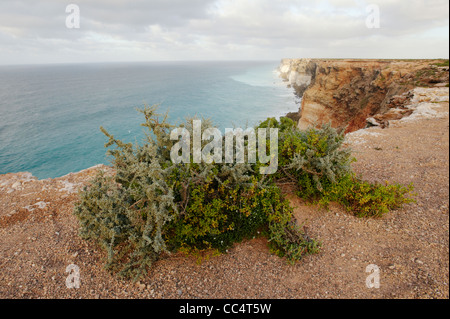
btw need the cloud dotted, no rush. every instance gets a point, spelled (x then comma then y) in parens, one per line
(35, 31)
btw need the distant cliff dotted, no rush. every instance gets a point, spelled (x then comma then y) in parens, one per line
(348, 93)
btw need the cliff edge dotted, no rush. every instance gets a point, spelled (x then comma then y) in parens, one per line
(353, 94)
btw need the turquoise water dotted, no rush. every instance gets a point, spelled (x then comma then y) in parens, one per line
(50, 115)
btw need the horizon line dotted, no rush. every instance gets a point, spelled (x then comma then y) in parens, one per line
(212, 61)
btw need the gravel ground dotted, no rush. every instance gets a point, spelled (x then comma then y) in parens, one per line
(38, 237)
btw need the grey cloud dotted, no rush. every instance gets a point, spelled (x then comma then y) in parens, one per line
(144, 12)
(194, 29)
(46, 18)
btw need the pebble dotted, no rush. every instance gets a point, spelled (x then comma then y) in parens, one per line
(141, 286)
(16, 185)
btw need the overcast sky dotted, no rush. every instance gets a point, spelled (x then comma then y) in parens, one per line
(35, 31)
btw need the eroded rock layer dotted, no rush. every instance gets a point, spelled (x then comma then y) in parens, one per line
(346, 93)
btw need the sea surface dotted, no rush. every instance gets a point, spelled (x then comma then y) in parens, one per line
(50, 115)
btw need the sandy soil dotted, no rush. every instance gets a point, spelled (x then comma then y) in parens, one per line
(38, 236)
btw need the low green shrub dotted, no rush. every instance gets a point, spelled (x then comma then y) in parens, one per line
(218, 216)
(285, 124)
(312, 159)
(366, 199)
(152, 206)
(127, 222)
(286, 238)
(320, 167)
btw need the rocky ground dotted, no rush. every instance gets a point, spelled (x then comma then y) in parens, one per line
(39, 235)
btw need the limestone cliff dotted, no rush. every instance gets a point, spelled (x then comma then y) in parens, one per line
(299, 73)
(349, 92)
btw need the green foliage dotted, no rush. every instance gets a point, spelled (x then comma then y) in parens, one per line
(218, 215)
(365, 199)
(152, 207)
(318, 164)
(444, 63)
(314, 158)
(285, 124)
(127, 222)
(286, 239)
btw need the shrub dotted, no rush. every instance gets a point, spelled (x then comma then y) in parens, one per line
(127, 214)
(285, 124)
(152, 206)
(218, 216)
(366, 199)
(127, 222)
(318, 164)
(286, 239)
(313, 159)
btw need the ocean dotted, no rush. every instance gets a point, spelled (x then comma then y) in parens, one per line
(50, 115)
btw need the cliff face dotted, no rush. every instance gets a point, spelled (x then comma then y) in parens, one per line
(299, 73)
(348, 92)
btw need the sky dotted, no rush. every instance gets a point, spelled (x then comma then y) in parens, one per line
(46, 31)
